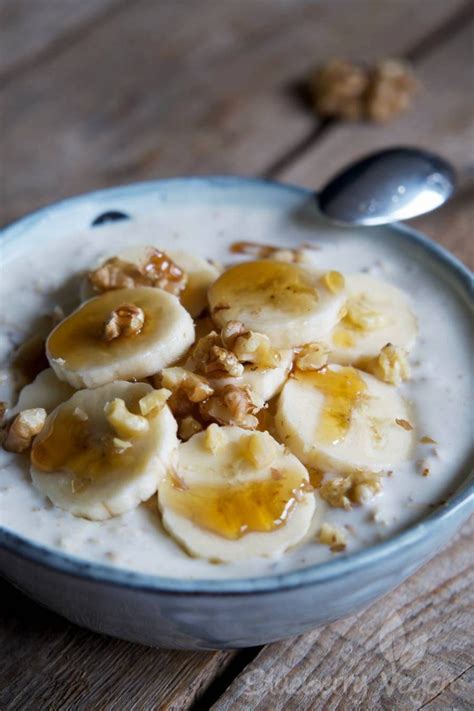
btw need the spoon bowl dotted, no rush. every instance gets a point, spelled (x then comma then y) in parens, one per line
(388, 186)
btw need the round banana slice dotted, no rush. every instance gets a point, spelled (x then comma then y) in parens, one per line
(265, 383)
(343, 420)
(98, 455)
(46, 391)
(377, 314)
(236, 495)
(119, 335)
(199, 272)
(289, 304)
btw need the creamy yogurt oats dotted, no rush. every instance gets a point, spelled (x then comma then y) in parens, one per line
(323, 408)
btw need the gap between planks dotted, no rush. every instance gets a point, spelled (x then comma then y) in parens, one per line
(433, 40)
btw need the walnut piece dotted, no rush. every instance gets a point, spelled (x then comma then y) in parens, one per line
(26, 425)
(349, 91)
(125, 320)
(214, 438)
(256, 348)
(125, 423)
(259, 449)
(312, 356)
(223, 363)
(224, 354)
(390, 366)
(232, 406)
(156, 269)
(338, 89)
(356, 488)
(391, 90)
(155, 400)
(333, 537)
(188, 427)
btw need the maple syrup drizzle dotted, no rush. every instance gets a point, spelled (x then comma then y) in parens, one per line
(342, 389)
(231, 511)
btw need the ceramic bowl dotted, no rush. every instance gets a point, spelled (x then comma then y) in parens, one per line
(210, 614)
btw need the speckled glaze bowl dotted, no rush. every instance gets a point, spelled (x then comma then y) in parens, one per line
(210, 614)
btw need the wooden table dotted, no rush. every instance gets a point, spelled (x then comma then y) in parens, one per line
(100, 92)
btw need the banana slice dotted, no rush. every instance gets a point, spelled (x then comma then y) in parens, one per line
(343, 420)
(289, 304)
(377, 314)
(265, 383)
(121, 334)
(46, 391)
(99, 456)
(236, 495)
(200, 275)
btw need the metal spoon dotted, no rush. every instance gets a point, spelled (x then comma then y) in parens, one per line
(390, 185)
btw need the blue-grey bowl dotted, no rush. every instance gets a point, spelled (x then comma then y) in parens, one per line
(218, 614)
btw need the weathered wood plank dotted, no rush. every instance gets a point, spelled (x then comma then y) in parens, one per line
(442, 120)
(402, 652)
(31, 29)
(49, 663)
(457, 695)
(158, 90)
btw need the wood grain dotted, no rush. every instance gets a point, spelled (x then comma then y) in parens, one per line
(31, 30)
(208, 91)
(102, 92)
(441, 120)
(46, 662)
(406, 650)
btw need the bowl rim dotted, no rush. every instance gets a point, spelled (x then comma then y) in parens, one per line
(455, 509)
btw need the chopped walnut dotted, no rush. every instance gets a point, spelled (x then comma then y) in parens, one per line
(232, 406)
(391, 90)
(423, 467)
(259, 449)
(356, 488)
(223, 362)
(194, 386)
(337, 90)
(427, 440)
(155, 400)
(188, 427)
(26, 425)
(224, 354)
(125, 320)
(404, 424)
(349, 91)
(214, 438)
(333, 537)
(256, 348)
(156, 269)
(312, 356)
(390, 366)
(230, 332)
(125, 423)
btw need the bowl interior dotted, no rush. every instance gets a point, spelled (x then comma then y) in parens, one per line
(206, 215)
